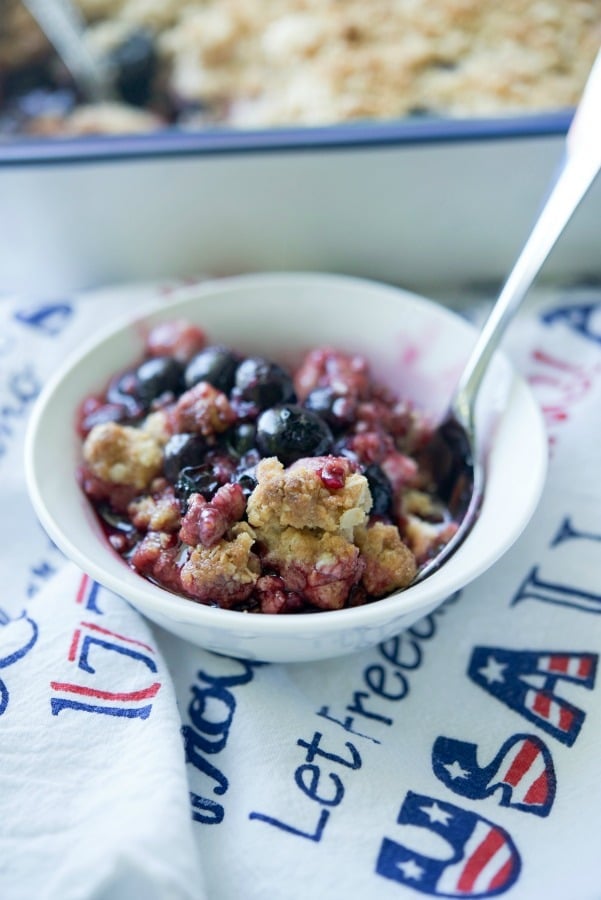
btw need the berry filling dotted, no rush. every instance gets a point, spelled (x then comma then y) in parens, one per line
(236, 483)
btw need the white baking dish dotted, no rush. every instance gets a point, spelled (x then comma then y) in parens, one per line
(423, 203)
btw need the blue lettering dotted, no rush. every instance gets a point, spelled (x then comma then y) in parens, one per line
(310, 789)
(375, 677)
(579, 318)
(57, 704)
(357, 707)
(534, 587)
(205, 810)
(211, 713)
(347, 724)
(313, 750)
(393, 651)
(90, 641)
(49, 318)
(310, 835)
(191, 745)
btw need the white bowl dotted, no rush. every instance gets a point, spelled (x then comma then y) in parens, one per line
(414, 345)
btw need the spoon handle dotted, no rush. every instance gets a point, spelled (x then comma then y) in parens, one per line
(581, 163)
(63, 26)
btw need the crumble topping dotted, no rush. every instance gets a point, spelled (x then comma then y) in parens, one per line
(157, 511)
(262, 63)
(123, 455)
(156, 424)
(297, 497)
(389, 563)
(228, 571)
(106, 118)
(320, 566)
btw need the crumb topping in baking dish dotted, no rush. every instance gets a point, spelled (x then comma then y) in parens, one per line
(258, 63)
(236, 483)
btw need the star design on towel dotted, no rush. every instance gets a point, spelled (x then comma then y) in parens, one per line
(493, 671)
(436, 814)
(455, 770)
(411, 870)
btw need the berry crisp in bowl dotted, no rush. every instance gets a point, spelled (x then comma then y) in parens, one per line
(242, 464)
(239, 484)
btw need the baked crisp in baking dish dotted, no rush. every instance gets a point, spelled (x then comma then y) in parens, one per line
(258, 63)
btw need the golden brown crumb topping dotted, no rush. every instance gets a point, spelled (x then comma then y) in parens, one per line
(123, 455)
(297, 497)
(321, 566)
(158, 511)
(229, 569)
(389, 563)
(256, 63)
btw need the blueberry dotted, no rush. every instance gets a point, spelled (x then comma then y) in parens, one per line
(247, 479)
(262, 383)
(158, 376)
(108, 412)
(116, 521)
(182, 451)
(380, 489)
(197, 480)
(291, 432)
(337, 410)
(119, 529)
(242, 438)
(123, 392)
(217, 365)
(135, 64)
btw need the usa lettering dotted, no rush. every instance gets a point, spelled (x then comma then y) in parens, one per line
(521, 773)
(525, 681)
(481, 858)
(584, 319)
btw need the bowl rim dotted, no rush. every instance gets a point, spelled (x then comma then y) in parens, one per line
(177, 143)
(141, 591)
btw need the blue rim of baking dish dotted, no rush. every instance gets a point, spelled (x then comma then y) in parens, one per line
(176, 143)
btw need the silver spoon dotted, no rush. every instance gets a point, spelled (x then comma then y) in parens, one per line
(452, 452)
(63, 26)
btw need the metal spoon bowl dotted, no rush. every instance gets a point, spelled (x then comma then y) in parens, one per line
(452, 454)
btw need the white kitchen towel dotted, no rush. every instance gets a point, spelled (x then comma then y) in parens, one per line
(458, 760)
(92, 788)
